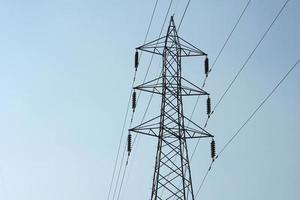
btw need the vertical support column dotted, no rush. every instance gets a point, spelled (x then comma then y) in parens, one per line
(172, 177)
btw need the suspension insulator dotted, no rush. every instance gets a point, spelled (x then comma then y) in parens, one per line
(134, 100)
(129, 139)
(213, 149)
(136, 60)
(206, 66)
(208, 106)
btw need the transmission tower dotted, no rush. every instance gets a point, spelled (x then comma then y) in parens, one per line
(172, 174)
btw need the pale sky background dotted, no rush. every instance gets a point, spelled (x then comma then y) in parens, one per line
(66, 68)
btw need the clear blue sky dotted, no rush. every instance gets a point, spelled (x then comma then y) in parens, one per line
(65, 73)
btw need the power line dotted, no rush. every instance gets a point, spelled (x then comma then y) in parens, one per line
(186, 7)
(204, 179)
(119, 172)
(247, 60)
(152, 56)
(220, 52)
(151, 60)
(127, 109)
(123, 156)
(123, 176)
(125, 169)
(150, 23)
(216, 59)
(230, 34)
(251, 54)
(259, 107)
(119, 147)
(243, 66)
(247, 120)
(227, 39)
(177, 5)
(245, 8)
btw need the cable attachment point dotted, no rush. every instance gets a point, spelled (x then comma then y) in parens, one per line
(136, 60)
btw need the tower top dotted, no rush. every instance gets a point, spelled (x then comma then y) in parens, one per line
(157, 46)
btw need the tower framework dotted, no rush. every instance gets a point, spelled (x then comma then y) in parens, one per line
(172, 174)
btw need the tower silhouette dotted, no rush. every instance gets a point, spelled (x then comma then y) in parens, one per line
(172, 177)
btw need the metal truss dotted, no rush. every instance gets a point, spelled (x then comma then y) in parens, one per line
(172, 175)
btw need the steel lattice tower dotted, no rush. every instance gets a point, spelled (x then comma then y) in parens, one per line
(172, 175)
